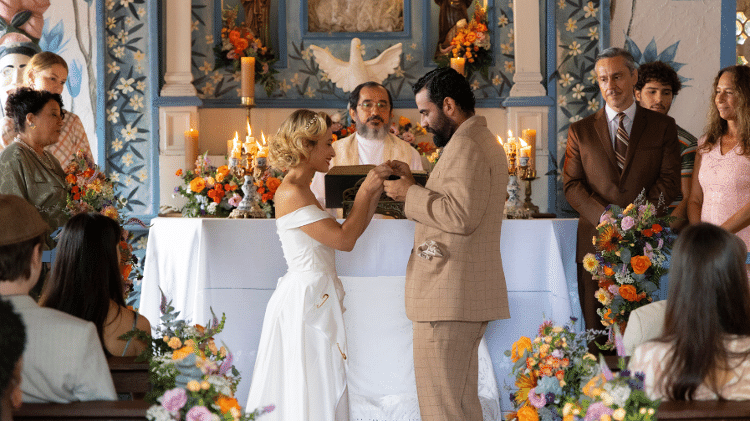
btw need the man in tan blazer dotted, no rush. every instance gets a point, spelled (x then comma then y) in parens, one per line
(454, 279)
(612, 156)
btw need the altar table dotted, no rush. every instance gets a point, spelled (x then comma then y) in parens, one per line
(231, 266)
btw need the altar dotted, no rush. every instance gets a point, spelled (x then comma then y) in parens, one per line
(231, 266)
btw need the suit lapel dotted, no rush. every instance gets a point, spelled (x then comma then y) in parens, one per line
(602, 132)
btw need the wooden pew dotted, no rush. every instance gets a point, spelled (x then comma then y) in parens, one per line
(129, 377)
(88, 411)
(704, 410)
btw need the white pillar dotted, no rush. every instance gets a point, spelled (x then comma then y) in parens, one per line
(527, 81)
(178, 77)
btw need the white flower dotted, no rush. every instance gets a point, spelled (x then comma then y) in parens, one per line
(114, 176)
(507, 48)
(575, 118)
(118, 51)
(594, 33)
(562, 101)
(496, 80)
(125, 85)
(142, 242)
(125, 3)
(618, 392)
(212, 208)
(562, 4)
(111, 41)
(140, 85)
(590, 10)
(136, 102)
(127, 159)
(129, 132)
(141, 11)
(138, 55)
(571, 25)
(129, 21)
(306, 54)
(217, 77)
(128, 179)
(110, 4)
(194, 26)
(123, 35)
(138, 68)
(414, 46)
(110, 22)
(209, 39)
(399, 72)
(112, 95)
(206, 68)
(209, 88)
(113, 67)
(578, 91)
(113, 115)
(310, 92)
(575, 48)
(592, 76)
(220, 383)
(324, 77)
(475, 85)
(509, 66)
(283, 86)
(593, 104)
(295, 79)
(158, 413)
(502, 21)
(566, 80)
(409, 57)
(116, 145)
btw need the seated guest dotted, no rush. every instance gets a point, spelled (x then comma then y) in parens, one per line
(13, 333)
(86, 282)
(28, 170)
(704, 352)
(63, 361)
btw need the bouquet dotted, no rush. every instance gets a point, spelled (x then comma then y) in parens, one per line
(550, 371)
(200, 401)
(89, 190)
(619, 397)
(267, 184)
(472, 42)
(239, 41)
(208, 190)
(340, 128)
(407, 131)
(632, 247)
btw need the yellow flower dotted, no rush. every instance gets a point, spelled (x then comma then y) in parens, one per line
(619, 414)
(590, 263)
(403, 121)
(182, 353)
(528, 413)
(222, 352)
(205, 385)
(524, 384)
(591, 389)
(603, 296)
(605, 417)
(193, 386)
(197, 184)
(628, 209)
(521, 345)
(175, 343)
(190, 343)
(165, 338)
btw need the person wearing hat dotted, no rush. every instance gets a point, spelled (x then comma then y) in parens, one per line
(63, 361)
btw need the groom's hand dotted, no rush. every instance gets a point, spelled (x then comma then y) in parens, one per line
(397, 189)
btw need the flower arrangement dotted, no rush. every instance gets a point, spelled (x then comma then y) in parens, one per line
(341, 126)
(239, 41)
(550, 371)
(407, 131)
(90, 190)
(632, 247)
(200, 401)
(472, 43)
(267, 183)
(619, 397)
(208, 190)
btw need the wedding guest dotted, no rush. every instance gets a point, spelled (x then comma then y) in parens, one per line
(657, 86)
(13, 333)
(454, 279)
(721, 180)
(301, 362)
(371, 108)
(63, 360)
(28, 170)
(704, 352)
(46, 71)
(86, 282)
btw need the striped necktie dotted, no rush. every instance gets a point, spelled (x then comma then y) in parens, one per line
(621, 142)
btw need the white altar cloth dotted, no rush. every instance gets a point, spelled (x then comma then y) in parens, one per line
(232, 266)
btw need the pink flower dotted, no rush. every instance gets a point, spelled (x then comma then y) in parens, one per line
(409, 137)
(394, 129)
(198, 413)
(174, 399)
(231, 55)
(537, 401)
(614, 290)
(235, 200)
(627, 223)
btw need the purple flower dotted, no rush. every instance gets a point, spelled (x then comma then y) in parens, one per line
(596, 410)
(174, 399)
(226, 365)
(199, 413)
(627, 223)
(558, 354)
(538, 401)
(614, 289)
(268, 408)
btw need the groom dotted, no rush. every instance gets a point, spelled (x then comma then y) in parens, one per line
(454, 279)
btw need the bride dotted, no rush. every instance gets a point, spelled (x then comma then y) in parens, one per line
(301, 362)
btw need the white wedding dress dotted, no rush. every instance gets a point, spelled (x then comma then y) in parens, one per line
(301, 362)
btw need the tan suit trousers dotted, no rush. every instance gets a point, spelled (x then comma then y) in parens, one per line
(447, 369)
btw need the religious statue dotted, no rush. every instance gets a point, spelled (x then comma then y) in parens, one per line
(257, 19)
(451, 12)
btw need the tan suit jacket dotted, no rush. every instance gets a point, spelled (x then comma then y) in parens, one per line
(461, 209)
(592, 179)
(645, 324)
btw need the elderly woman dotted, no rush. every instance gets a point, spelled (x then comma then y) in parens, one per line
(27, 169)
(47, 71)
(721, 179)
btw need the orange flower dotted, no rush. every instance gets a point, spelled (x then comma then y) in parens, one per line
(628, 292)
(88, 173)
(471, 37)
(656, 228)
(125, 271)
(182, 352)
(223, 170)
(608, 271)
(71, 179)
(75, 189)
(200, 329)
(179, 172)
(234, 35)
(519, 347)
(524, 383)
(528, 413)
(226, 403)
(77, 196)
(219, 177)
(560, 375)
(640, 264)
(608, 238)
(605, 283)
(334, 137)
(197, 184)
(648, 232)
(240, 45)
(267, 196)
(272, 184)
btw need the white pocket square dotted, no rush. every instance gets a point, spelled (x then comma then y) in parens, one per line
(429, 249)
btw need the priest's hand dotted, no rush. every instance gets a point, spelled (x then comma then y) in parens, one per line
(396, 188)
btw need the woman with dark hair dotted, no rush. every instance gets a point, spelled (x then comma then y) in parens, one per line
(86, 282)
(28, 170)
(721, 178)
(704, 353)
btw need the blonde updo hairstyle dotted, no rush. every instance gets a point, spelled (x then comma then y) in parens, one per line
(42, 61)
(297, 135)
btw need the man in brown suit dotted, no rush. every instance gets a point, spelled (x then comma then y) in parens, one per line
(454, 279)
(612, 156)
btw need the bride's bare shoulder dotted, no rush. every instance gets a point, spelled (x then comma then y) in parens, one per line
(292, 196)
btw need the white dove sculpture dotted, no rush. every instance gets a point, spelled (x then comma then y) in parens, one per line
(348, 76)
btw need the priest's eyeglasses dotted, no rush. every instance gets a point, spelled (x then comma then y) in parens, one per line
(369, 105)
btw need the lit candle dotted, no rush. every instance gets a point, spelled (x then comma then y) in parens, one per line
(230, 144)
(249, 141)
(457, 64)
(236, 150)
(248, 77)
(525, 149)
(191, 148)
(529, 135)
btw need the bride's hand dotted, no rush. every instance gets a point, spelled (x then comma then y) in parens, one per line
(373, 184)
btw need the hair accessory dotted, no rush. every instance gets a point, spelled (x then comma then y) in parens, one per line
(23, 217)
(311, 122)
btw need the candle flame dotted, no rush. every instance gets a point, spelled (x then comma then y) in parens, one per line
(510, 134)
(249, 129)
(236, 136)
(523, 143)
(499, 139)
(263, 137)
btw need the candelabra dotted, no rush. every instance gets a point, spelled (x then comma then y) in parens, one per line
(527, 174)
(513, 206)
(248, 207)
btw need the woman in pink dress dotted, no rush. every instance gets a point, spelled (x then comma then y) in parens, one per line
(721, 179)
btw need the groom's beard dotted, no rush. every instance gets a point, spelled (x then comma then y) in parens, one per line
(441, 130)
(372, 133)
